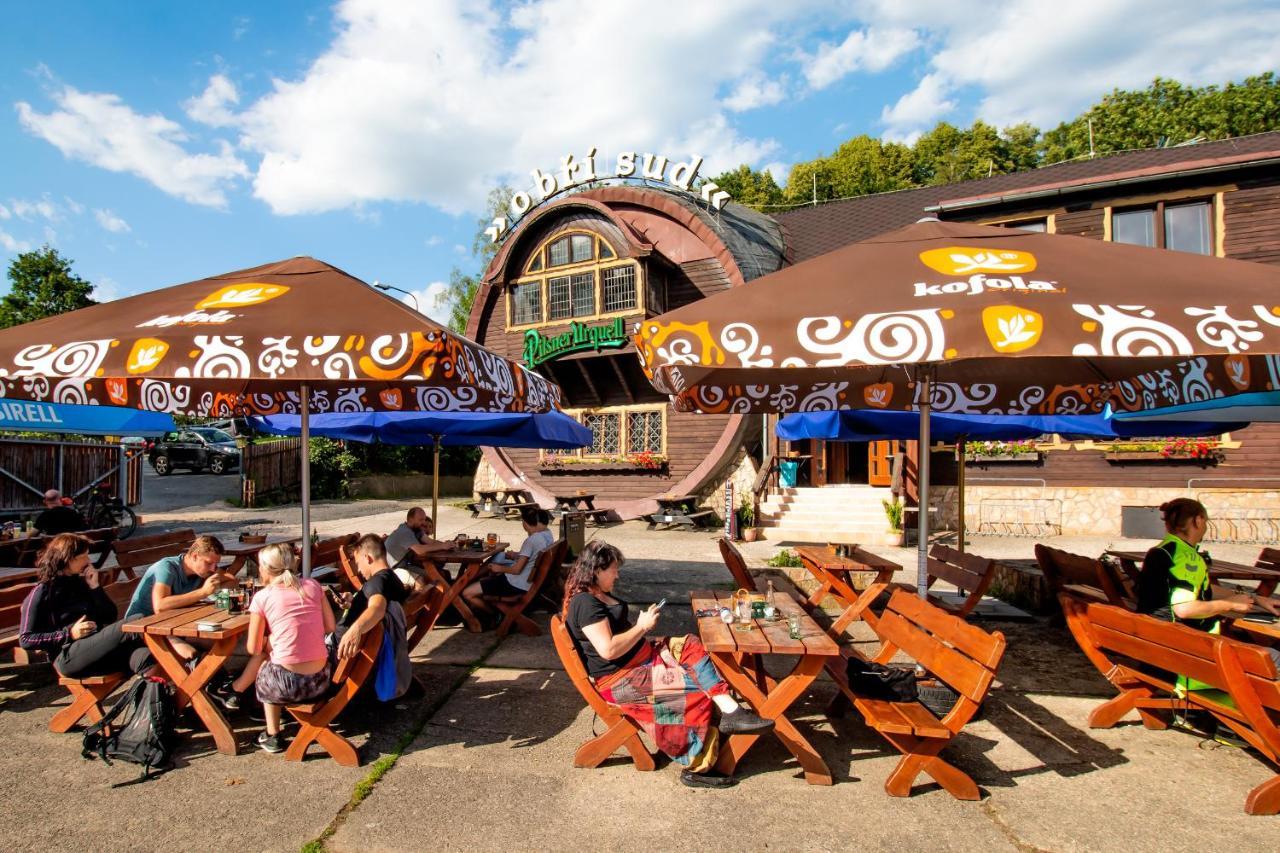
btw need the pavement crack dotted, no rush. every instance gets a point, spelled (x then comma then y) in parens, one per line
(989, 809)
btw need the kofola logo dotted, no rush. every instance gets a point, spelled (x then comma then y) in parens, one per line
(976, 264)
(212, 309)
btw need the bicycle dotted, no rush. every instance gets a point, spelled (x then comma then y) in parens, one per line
(104, 509)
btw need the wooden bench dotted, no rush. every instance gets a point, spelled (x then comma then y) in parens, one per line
(621, 731)
(1268, 559)
(1083, 576)
(1245, 695)
(968, 573)
(140, 552)
(326, 555)
(961, 655)
(692, 520)
(513, 607)
(736, 565)
(316, 718)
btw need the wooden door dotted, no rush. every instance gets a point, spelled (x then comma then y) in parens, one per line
(818, 469)
(880, 462)
(837, 454)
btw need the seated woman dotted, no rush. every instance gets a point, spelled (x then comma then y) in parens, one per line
(511, 570)
(1174, 583)
(68, 616)
(668, 686)
(292, 665)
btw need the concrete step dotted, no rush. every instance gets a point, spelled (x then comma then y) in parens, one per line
(821, 534)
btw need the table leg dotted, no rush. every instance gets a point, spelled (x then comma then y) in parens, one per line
(188, 687)
(859, 604)
(824, 579)
(237, 563)
(771, 706)
(453, 592)
(1266, 588)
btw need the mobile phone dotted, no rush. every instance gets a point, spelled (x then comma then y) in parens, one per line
(661, 604)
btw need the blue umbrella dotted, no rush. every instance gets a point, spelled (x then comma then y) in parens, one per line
(549, 431)
(883, 425)
(1262, 406)
(20, 415)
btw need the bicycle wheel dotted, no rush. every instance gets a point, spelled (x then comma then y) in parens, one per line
(127, 521)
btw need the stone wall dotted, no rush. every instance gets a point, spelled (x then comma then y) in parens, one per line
(1237, 515)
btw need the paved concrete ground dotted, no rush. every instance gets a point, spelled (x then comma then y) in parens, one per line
(490, 765)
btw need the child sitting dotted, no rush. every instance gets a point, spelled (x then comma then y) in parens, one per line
(295, 666)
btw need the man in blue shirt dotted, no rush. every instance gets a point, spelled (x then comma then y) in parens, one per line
(180, 581)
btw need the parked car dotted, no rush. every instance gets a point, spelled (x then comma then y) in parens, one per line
(195, 448)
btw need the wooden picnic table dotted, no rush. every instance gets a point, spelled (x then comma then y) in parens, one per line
(1269, 632)
(23, 551)
(572, 503)
(832, 573)
(161, 630)
(499, 503)
(678, 511)
(240, 552)
(1219, 570)
(737, 656)
(472, 562)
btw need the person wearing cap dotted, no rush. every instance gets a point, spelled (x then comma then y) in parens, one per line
(57, 516)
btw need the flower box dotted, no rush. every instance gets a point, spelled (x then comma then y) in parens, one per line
(1157, 456)
(601, 468)
(984, 458)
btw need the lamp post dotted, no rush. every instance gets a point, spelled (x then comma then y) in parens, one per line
(385, 287)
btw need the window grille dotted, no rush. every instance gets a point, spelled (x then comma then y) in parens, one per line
(619, 288)
(644, 432)
(605, 432)
(526, 303)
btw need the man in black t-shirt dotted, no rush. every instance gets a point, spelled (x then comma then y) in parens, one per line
(57, 516)
(381, 586)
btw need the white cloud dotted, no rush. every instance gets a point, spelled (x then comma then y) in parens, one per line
(917, 109)
(754, 91)
(212, 107)
(31, 210)
(433, 240)
(779, 172)
(11, 244)
(105, 289)
(4, 212)
(110, 222)
(438, 103)
(102, 130)
(871, 49)
(1045, 62)
(74, 206)
(427, 301)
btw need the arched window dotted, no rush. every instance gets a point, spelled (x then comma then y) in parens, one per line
(574, 275)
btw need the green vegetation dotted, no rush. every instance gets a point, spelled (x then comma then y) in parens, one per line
(784, 559)
(1165, 113)
(41, 284)
(893, 512)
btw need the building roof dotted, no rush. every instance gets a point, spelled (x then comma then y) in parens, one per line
(815, 230)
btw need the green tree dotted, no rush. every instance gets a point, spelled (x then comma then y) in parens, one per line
(460, 295)
(947, 154)
(749, 187)
(861, 166)
(42, 285)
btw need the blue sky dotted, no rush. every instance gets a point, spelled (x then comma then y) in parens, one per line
(158, 142)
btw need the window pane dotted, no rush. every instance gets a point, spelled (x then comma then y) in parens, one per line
(583, 247)
(619, 288)
(558, 252)
(526, 303)
(536, 263)
(605, 431)
(644, 432)
(1186, 227)
(1136, 227)
(584, 295)
(1040, 225)
(606, 251)
(558, 307)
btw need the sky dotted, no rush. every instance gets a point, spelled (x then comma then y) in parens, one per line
(157, 142)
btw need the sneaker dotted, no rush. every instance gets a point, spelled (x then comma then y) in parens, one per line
(271, 743)
(1227, 737)
(710, 779)
(743, 721)
(228, 698)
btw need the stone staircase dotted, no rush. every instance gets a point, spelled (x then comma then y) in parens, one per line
(845, 514)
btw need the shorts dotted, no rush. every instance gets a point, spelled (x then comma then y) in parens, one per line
(497, 586)
(279, 686)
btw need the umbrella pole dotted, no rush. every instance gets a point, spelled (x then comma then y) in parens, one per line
(435, 484)
(960, 497)
(306, 481)
(922, 556)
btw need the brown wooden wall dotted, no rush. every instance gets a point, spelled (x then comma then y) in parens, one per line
(1081, 223)
(1252, 221)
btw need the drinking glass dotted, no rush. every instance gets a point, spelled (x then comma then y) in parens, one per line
(793, 626)
(491, 539)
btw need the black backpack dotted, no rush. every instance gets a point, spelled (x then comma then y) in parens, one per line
(146, 734)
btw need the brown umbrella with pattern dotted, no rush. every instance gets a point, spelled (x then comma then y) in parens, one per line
(294, 337)
(967, 318)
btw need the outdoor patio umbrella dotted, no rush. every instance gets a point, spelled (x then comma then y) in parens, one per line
(547, 430)
(972, 319)
(884, 425)
(296, 336)
(1260, 406)
(22, 415)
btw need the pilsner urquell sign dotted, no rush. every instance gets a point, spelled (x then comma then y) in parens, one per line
(539, 348)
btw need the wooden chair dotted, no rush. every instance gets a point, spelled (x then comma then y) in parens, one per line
(513, 607)
(621, 730)
(315, 719)
(968, 573)
(11, 598)
(1083, 577)
(326, 554)
(736, 564)
(347, 567)
(1245, 695)
(141, 551)
(955, 652)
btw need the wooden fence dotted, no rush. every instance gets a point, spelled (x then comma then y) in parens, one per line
(28, 468)
(270, 471)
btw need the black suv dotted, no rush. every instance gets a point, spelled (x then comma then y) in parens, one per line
(196, 448)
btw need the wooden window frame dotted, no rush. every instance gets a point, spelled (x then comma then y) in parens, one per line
(1157, 207)
(579, 415)
(596, 266)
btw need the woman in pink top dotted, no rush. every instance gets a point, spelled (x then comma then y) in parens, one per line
(296, 614)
